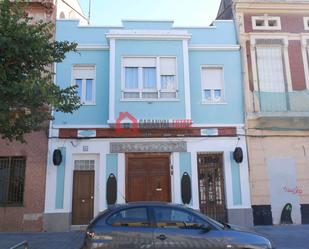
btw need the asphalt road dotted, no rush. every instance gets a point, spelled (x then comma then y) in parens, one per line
(285, 237)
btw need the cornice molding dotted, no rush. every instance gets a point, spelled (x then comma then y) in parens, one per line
(214, 47)
(92, 47)
(148, 34)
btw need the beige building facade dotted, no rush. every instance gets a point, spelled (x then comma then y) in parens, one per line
(274, 38)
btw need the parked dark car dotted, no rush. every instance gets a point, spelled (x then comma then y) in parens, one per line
(164, 225)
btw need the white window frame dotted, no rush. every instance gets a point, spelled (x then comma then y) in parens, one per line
(286, 62)
(83, 94)
(266, 20)
(305, 55)
(140, 88)
(306, 23)
(213, 101)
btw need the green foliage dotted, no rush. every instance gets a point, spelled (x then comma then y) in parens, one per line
(27, 92)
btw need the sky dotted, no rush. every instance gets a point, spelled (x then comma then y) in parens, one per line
(183, 12)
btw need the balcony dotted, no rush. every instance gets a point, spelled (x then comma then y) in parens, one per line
(280, 111)
(282, 103)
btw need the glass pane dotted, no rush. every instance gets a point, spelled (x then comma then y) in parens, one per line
(79, 83)
(150, 95)
(84, 165)
(149, 78)
(131, 95)
(218, 94)
(89, 90)
(174, 218)
(131, 77)
(168, 82)
(168, 95)
(133, 217)
(207, 94)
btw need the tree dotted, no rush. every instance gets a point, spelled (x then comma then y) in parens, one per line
(27, 91)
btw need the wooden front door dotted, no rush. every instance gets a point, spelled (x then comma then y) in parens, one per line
(83, 194)
(148, 177)
(211, 186)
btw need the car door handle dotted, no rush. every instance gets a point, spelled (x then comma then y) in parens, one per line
(161, 237)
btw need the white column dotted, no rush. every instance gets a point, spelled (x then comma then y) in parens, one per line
(195, 183)
(121, 181)
(186, 78)
(176, 191)
(112, 56)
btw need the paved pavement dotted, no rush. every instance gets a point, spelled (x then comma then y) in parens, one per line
(288, 236)
(285, 237)
(65, 240)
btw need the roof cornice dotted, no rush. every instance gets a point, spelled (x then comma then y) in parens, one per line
(149, 34)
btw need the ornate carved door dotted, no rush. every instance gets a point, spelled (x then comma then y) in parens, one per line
(148, 177)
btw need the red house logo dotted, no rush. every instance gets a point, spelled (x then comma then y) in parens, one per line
(126, 123)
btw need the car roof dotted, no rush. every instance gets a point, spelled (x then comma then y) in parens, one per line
(146, 203)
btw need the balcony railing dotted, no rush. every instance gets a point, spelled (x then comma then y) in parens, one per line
(275, 102)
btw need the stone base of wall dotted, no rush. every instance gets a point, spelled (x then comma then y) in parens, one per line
(57, 222)
(240, 217)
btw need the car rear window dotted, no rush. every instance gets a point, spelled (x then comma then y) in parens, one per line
(132, 217)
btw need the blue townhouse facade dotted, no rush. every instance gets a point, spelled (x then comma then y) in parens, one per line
(162, 115)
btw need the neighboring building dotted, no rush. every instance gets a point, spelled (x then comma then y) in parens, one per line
(23, 166)
(137, 82)
(70, 9)
(274, 36)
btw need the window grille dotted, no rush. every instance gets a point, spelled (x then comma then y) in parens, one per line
(12, 180)
(84, 164)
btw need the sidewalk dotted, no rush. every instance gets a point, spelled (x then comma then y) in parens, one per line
(285, 237)
(64, 240)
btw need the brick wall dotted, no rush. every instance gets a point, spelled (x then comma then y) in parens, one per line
(29, 216)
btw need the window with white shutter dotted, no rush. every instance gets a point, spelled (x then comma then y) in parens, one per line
(212, 84)
(84, 79)
(147, 78)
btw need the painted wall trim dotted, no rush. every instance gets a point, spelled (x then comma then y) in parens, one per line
(186, 79)
(148, 34)
(112, 79)
(236, 184)
(60, 181)
(92, 47)
(202, 47)
(79, 126)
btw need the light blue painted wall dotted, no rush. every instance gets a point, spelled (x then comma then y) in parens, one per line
(147, 25)
(237, 200)
(222, 32)
(112, 167)
(185, 166)
(90, 114)
(69, 30)
(232, 111)
(155, 109)
(60, 180)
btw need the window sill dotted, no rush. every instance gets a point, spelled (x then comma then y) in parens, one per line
(88, 104)
(213, 103)
(149, 100)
